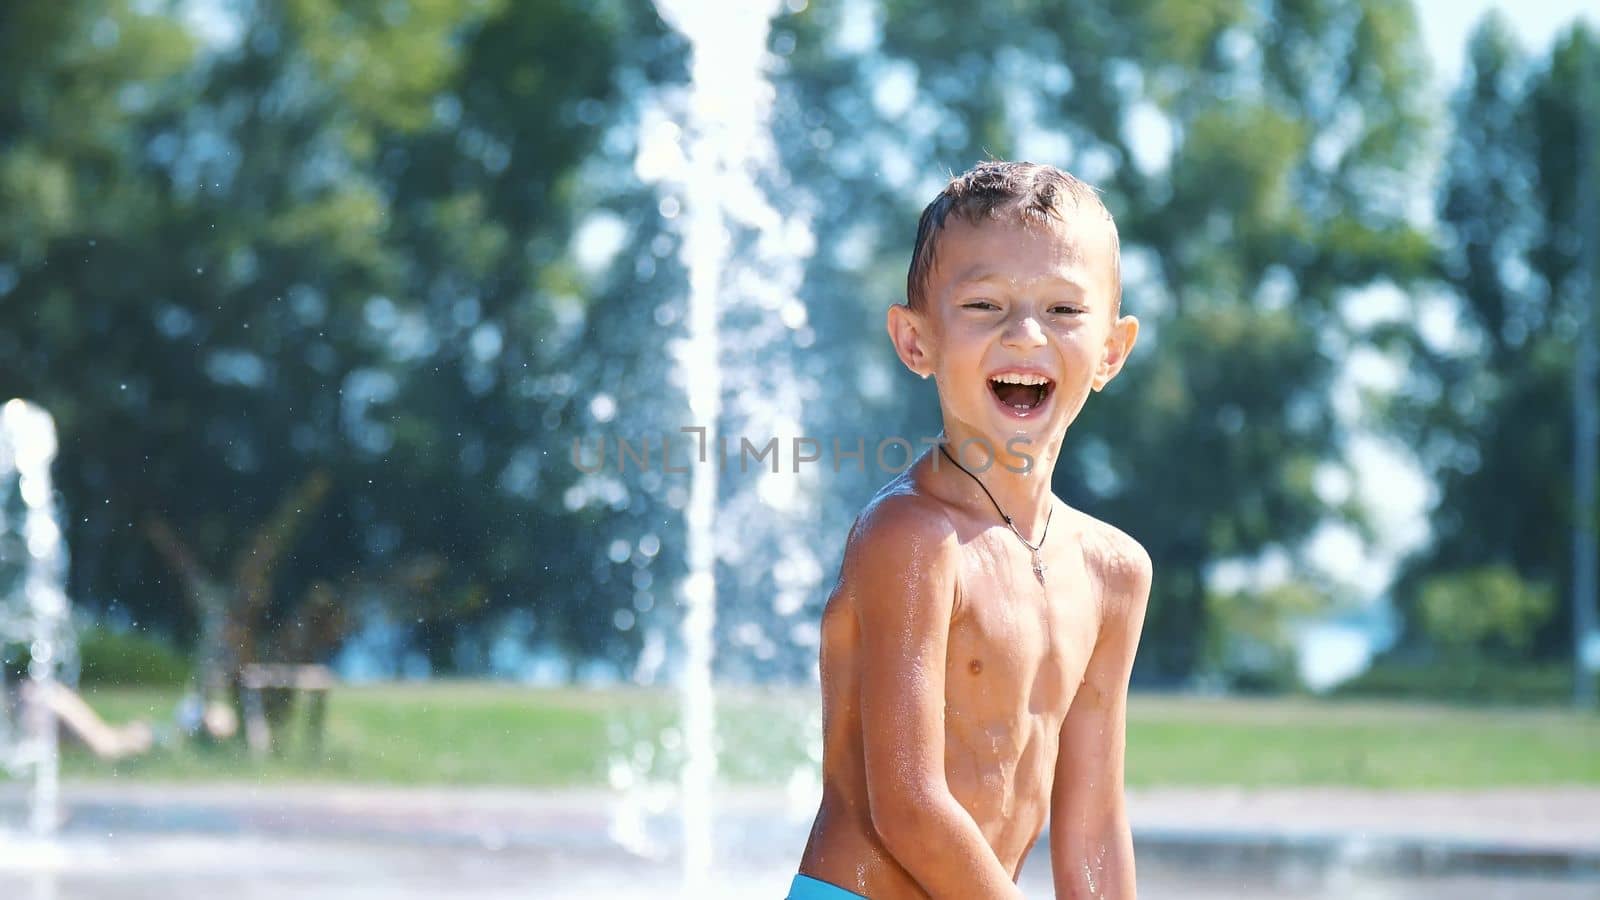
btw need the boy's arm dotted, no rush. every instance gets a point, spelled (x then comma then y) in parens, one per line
(902, 571)
(1091, 845)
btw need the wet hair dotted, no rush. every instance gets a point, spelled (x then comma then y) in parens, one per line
(996, 190)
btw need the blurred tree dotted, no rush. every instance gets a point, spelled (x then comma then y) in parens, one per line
(230, 611)
(78, 79)
(406, 244)
(1485, 612)
(319, 236)
(484, 207)
(1250, 646)
(1488, 405)
(1259, 159)
(76, 76)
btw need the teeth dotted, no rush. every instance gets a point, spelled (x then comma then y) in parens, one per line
(1017, 378)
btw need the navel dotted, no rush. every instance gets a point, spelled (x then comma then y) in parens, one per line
(975, 667)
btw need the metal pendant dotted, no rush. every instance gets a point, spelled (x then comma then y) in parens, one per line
(1038, 567)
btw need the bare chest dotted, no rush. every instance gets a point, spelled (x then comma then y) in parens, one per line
(1016, 634)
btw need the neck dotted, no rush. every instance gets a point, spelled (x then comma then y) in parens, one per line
(1023, 495)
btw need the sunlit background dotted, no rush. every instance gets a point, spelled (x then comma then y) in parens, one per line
(357, 536)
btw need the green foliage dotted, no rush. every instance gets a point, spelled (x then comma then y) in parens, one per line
(1488, 610)
(1464, 680)
(386, 61)
(342, 240)
(1250, 641)
(315, 245)
(77, 74)
(128, 659)
(1489, 412)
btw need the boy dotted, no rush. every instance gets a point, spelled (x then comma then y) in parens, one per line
(977, 647)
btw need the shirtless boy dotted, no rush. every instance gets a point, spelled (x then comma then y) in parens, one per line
(973, 686)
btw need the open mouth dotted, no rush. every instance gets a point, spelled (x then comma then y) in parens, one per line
(1021, 392)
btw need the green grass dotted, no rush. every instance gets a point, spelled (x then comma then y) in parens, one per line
(469, 733)
(1191, 741)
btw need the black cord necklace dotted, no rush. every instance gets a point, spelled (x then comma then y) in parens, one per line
(1038, 564)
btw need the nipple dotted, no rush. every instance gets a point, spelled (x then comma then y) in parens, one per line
(975, 667)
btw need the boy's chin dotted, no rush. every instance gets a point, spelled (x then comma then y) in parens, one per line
(1018, 446)
(1034, 430)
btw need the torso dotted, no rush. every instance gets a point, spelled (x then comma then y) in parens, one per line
(1016, 654)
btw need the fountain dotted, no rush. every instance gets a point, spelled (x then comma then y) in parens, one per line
(744, 263)
(34, 622)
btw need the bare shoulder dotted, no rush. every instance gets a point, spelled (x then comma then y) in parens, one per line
(902, 544)
(1119, 564)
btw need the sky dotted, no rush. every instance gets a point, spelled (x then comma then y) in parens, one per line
(1446, 24)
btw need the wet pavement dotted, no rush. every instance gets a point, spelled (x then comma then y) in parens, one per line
(246, 841)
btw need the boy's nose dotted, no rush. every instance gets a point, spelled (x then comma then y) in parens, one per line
(1024, 331)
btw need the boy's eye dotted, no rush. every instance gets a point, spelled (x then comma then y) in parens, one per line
(1066, 310)
(979, 304)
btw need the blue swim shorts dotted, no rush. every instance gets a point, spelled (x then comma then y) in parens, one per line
(807, 888)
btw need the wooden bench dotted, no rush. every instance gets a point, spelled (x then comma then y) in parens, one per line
(312, 680)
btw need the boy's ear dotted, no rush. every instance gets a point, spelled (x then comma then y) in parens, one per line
(1119, 343)
(909, 332)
